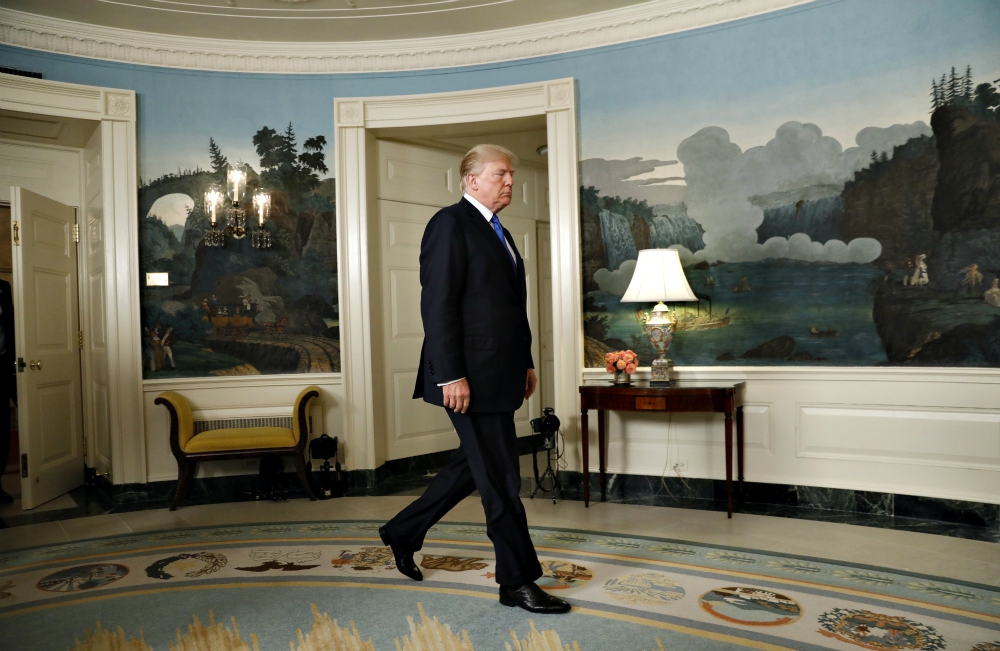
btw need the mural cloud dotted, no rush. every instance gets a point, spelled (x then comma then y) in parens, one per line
(611, 177)
(721, 178)
(616, 282)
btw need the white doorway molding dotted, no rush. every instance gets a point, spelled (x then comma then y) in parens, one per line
(354, 120)
(116, 229)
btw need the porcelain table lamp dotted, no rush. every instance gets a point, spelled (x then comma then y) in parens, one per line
(659, 277)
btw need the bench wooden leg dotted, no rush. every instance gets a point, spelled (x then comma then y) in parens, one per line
(300, 468)
(185, 473)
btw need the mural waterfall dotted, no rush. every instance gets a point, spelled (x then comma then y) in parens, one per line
(803, 252)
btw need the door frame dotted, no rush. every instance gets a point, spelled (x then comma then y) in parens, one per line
(115, 109)
(357, 181)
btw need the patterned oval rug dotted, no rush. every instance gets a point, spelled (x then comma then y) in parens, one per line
(333, 586)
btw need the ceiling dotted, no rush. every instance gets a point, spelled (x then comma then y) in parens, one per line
(45, 129)
(314, 20)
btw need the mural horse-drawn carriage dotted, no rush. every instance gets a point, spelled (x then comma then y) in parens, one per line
(235, 325)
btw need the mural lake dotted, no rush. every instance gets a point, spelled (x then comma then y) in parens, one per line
(825, 308)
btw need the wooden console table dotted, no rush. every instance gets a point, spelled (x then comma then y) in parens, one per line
(715, 397)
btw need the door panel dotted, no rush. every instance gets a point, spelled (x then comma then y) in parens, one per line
(418, 175)
(414, 427)
(50, 418)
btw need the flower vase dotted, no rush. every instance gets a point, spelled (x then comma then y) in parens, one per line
(621, 377)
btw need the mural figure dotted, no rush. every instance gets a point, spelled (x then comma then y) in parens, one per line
(992, 295)
(236, 310)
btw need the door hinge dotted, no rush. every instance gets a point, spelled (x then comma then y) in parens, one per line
(24, 466)
(79, 339)
(16, 231)
(76, 233)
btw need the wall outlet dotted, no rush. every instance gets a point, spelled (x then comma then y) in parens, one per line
(681, 466)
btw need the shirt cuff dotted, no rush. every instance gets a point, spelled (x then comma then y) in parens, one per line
(444, 384)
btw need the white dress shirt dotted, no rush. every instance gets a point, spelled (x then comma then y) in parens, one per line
(488, 215)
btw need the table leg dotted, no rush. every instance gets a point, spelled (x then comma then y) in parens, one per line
(739, 446)
(602, 442)
(729, 462)
(584, 439)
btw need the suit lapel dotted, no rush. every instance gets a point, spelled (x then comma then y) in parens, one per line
(493, 242)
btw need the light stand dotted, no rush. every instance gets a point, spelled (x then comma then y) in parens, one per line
(548, 427)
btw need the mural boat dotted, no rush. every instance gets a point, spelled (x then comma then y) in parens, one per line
(824, 332)
(743, 286)
(703, 323)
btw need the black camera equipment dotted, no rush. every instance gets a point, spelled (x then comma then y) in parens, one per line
(269, 484)
(548, 427)
(328, 484)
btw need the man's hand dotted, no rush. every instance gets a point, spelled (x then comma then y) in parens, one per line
(530, 383)
(457, 396)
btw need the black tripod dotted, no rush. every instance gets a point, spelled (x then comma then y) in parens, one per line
(548, 427)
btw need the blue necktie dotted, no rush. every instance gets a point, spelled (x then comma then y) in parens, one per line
(498, 229)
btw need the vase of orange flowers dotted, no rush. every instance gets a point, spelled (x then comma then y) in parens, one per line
(621, 363)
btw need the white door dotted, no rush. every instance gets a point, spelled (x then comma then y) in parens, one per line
(414, 182)
(50, 418)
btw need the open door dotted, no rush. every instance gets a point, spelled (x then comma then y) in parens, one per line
(46, 316)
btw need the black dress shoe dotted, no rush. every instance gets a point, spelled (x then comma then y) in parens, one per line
(404, 559)
(533, 599)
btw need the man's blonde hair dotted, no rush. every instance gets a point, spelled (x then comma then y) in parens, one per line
(480, 155)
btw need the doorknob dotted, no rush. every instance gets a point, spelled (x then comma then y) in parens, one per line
(35, 365)
(39, 365)
(31, 365)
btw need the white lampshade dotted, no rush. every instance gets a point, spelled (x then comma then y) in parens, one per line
(658, 277)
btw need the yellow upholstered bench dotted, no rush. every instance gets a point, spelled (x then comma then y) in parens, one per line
(234, 443)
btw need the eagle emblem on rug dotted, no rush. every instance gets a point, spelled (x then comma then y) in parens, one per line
(877, 631)
(283, 561)
(82, 577)
(452, 563)
(651, 588)
(751, 606)
(191, 565)
(365, 559)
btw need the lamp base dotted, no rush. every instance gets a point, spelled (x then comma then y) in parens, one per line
(661, 372)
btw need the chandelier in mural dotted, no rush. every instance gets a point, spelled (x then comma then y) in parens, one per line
(231, 201)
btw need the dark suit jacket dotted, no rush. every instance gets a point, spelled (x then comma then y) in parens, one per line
(473, 304)
(7, 318)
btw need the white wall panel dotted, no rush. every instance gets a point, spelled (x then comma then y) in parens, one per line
(926, 436)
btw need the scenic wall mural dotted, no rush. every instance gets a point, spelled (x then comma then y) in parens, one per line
(807, 248)
(830, 174)
(235, 309)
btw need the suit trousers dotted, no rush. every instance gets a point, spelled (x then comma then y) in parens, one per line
(486, 460)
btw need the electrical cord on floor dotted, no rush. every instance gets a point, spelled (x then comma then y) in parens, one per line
(663, 474)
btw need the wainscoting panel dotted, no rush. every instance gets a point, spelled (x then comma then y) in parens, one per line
(906, 436)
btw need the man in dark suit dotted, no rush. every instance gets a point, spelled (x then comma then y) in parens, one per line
(8, 385)
(476, 363)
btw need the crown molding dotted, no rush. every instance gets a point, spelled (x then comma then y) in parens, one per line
(646, 20)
